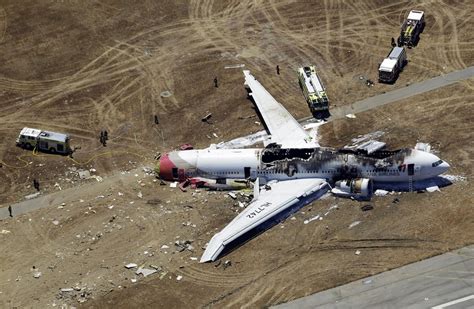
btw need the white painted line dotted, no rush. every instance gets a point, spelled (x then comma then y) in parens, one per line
(453, 302)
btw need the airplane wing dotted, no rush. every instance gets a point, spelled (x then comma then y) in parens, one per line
(284, 129)
(271, 202)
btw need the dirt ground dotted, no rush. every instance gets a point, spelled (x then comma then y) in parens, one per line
(81, 67)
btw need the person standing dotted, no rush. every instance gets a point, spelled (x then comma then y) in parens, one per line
(215, 82)
(278, 69)
(393, 42)
(10, 211)
(36, 184)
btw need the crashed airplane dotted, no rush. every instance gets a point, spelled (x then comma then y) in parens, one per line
(292, 170)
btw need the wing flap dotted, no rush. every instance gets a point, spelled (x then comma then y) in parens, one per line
(270, 203)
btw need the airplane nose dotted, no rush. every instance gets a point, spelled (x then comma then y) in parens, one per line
(166, 167)
(444, 166)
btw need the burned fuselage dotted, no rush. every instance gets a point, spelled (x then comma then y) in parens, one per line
(332, 164)
(274, 163)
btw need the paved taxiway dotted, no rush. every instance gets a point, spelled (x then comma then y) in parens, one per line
(443, 281)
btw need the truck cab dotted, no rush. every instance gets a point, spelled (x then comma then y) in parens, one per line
(28, 138)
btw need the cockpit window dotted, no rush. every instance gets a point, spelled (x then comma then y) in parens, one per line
(437, 163)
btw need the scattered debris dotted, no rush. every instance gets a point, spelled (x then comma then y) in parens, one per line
(66, 290)
(139, 194)
(174, 184)
(145, 271)
(5, 232)
(317, 217)
(133, 280)
(179, 278)
(367, 207)
(357, 252)
(166, 94)
(396, 200)
(131, 265)
(367, 281)
(242, 142)
(184, 245)
(227, 263)
(423, 147)
(186, 147)
(351, 116)
(98, 178)
(454, 178)
(37, 274)
(354, 224)
(206, 118)
(232, 195)
(380, 192)
(32, 196)
(165, 247)
(215, 135)
(56, 222)
(84, 174)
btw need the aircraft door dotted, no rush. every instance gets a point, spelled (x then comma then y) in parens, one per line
(247, 172)
(411, 169)
(181, 175)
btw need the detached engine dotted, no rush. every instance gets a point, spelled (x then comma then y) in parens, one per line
(359, 188)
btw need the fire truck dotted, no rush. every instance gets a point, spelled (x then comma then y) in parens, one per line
(47, 141)
(411, 29)
(391, 66)
(313, 90)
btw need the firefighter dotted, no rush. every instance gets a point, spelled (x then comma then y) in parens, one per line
(36, 184)
(393, 42)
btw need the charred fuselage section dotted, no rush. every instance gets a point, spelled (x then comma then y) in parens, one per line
(332, 164)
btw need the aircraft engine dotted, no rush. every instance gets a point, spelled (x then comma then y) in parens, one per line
(359, 188)
(220, 184)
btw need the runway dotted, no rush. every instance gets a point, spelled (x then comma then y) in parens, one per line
(443, 281)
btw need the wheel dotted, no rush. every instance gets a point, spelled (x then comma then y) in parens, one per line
(52, 150)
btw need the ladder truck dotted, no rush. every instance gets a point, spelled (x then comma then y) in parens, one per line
(411, 29)
(313, 91)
